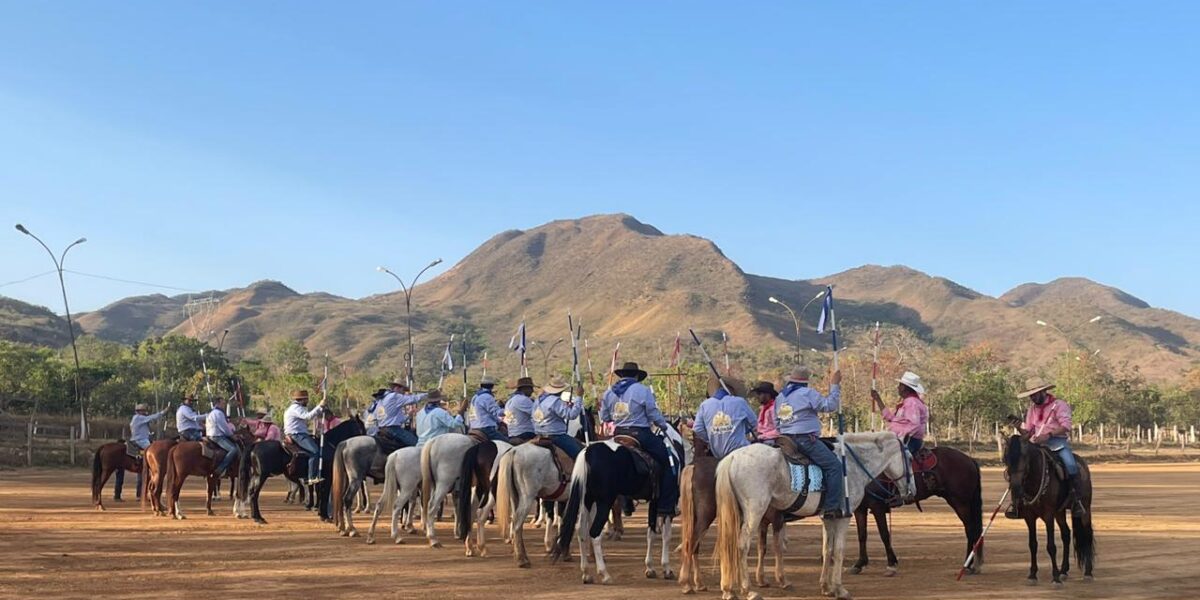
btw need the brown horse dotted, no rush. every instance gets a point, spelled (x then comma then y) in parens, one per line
(187, 458)
(109, 458)
(1035, 480)
(954, 477)
(154, 461)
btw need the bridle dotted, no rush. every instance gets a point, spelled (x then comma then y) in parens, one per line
(892, 489)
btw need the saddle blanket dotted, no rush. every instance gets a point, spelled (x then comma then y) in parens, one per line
(807, 478)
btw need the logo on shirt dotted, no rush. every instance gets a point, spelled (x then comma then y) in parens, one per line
(721, 423)
(539, 416)
(471, 412)
(620, 410)
(510, 417)
(785, 413)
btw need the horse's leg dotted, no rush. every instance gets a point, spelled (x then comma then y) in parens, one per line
(520, 515)
(1066, 544)
(780, 535)
(256, 484)
(356, 484)
(650, 574)
(585, 516)
(760, 575)
(213, 491)
(1031, 523)
(665, 528)
(176, 487)
(598, 552)
(98, 498)
(885, 534)
(860, 525)
(833, 552)
(618, 522)
(435, 504)
(1052, 550)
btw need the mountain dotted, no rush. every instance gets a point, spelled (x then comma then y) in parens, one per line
(29, 324)
(627, 281)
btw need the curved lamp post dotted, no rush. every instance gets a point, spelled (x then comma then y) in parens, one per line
(546, 354)
(408, 356)
(58, 266)
(796, 316)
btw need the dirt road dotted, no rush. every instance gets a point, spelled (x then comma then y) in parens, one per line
(53, 545)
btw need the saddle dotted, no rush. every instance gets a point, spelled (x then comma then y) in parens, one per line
(477, 436)
(561, 460)
(791, 452)
(133, 449)
(292, 448)
(924, 460)
(210, 450)
(386, 443)
(628, 441)
(1060, 470)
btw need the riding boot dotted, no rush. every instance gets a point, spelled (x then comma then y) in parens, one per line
(1073, 489)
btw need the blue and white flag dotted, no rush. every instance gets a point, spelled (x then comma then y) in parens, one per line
(447, 357)
(518, 340)
(827, 316)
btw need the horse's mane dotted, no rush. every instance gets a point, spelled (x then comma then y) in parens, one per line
(869, 437)
(1013, 453)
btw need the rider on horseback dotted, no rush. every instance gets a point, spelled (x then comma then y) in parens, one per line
(631, 407)
(189, 422)
(139, 434)
(395, 414)
(218, 429)
(766, 431)
(370, 416)
(551, 413)
(725, 420)
(796, 413)
(518, 411)
(484, 413)
(1048, 422)
(433, 420)
(911, 415)
(295, 426)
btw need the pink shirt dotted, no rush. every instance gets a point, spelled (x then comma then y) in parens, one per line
(1052, 418)
(263, 430)
(766, 428)
(273, 433)
(908, 419)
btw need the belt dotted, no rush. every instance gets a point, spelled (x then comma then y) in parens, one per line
(631, 429)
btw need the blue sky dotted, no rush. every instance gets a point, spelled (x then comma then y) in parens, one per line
(206, 146)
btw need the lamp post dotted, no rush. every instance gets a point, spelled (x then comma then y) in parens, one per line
(1067, 338)
(546, 353)
(58, 265)
(795, 321)
(408, 356)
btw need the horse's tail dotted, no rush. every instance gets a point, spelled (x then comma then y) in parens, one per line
(391, 482)
(463, 508)
(169, 479)
(506, 492)
(338, 489)
(426, 480)
(975, 515)
(570, 519)
(243, 478)
(144, 488)
(1085, 536)
(687, 510)
(729, 529)
(97, 471)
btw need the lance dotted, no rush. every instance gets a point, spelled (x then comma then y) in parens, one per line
(577, 378)
(321, 417)
(874, 371)
(587, 350)
(708, 359)
(442, 368)
(979, 542)
(725, 349)
(464, 350)
(207, 384)
(612, 366)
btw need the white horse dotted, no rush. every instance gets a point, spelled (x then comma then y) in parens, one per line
(441, 465)
(402, 481)
(756, 479)
(525, 476)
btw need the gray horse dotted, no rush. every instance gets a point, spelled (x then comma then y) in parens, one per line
(441, 465)
(401, 483)
(353, 460)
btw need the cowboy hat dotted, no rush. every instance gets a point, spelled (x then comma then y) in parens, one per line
(487, 380)
(913, 381)
(434, 396)
(141, 407)
(262, 410)
(189, 398)
(399, 383)
(555, 386)
(1034, 385)
(765, 387)
(379, 393)
(267, 419)
(799, 374)
(300, 395)
(523, 382)
(630, 369)
(734, 385)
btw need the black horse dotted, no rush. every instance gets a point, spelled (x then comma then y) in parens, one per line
(268, 458)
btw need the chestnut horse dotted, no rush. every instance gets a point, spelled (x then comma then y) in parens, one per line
(187, 458)
(154, 463)
(109, 458)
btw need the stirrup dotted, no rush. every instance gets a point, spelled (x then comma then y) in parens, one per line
(1011, 512)
(315, 480)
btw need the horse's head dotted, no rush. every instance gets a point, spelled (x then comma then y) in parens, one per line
(1016, 465)
(899, 465)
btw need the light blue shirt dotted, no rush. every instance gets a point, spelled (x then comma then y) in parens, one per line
(296, 418)
(217, 424)
(139, 425)
(550, 414)
(393, 405)
(518, 415)
(725, 423)
(484, 411)
(186, 419)
(796, 411)
(434, 422)
(635, 408)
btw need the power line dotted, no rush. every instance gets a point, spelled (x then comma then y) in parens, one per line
(30, 278)
(118, 279)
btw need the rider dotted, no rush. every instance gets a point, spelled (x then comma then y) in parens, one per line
(1048, 422)
(189, 422)
(631, 407)
(725, 420)
(262, 425)
(484, 413)
(395, 414)
(796, 415)
(295, 425)
(910, 417)
(371, 414)
(553, 410)
(139, 433)
(518, 411)
(766, 431)
(433, 420)
(218, 429)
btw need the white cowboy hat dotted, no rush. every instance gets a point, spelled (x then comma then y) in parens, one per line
(487, 380)
(555, 386)
(799, 374)
(912, 380)
(1033, 386)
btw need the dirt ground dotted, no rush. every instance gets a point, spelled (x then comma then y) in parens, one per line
(53, 545)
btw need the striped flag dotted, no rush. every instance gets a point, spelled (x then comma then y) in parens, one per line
(447, 356)
(827, 317)
(616, 354)
(517, 342)
(676, 352)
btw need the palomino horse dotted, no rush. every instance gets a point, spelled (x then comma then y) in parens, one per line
(1039, 493)
(955, 478)
(604, 471)
(187, 458)
(401, 483)
(109, 458)
(756, 479)
(441, 465)
(526, 475)
(267, 459)
(476, 495)
(154, 462)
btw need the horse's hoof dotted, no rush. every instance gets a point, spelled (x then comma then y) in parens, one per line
(844, 594)
(1063, 575)
(588, 579)
(1088, 578)
(399, 541)
(435, 544)
(688, 591)
(370, 541)
(855, 570)
(352, 533)
(669, 575)
(702, 588)
(785, 585)
(650, 574)
(1031, 581)
(890, 572)
(607, 579)
(762, 583)
(524, 564)
(343, 533)
(1058, 585)
(753, 596)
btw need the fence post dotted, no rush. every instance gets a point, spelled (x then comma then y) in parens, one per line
(72, 444)
(29, 444)
(1192, 435)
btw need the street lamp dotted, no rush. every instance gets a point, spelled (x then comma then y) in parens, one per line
(1066, 337)
(408, 356)
(795, 321)
(58, 265)
(546, 353)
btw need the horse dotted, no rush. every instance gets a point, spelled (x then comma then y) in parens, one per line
(475, 493)
(353, 461)
(441, 463)
(154, 462)
(1030, 467)
(401, 483)
(603, 471)
(955, 477)
(267, 459)
(187, 458)
(526, 475)
(757, 478)
(109, 458)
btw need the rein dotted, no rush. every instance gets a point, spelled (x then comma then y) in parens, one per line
(894, 491)
(1045, 480)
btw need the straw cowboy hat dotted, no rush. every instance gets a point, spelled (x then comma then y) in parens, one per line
(487, 380)
(262, 410)
(523, 382)
(1035, 385)
(141, 407)
(300, 395)
(913, 381)
(267, 419)
(399, 383)
(736, 386)
(555, 386)
(189, 398)
(799, 374)
(631, 369)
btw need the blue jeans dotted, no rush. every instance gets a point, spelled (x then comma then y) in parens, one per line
(1062, 447)
(831, 467)
(309, 445)
(668, 484)
(191, 435)
(493, 433)
(914, 445)
(119, 482)
(406, 437)
(568, 444)
(231, 452)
